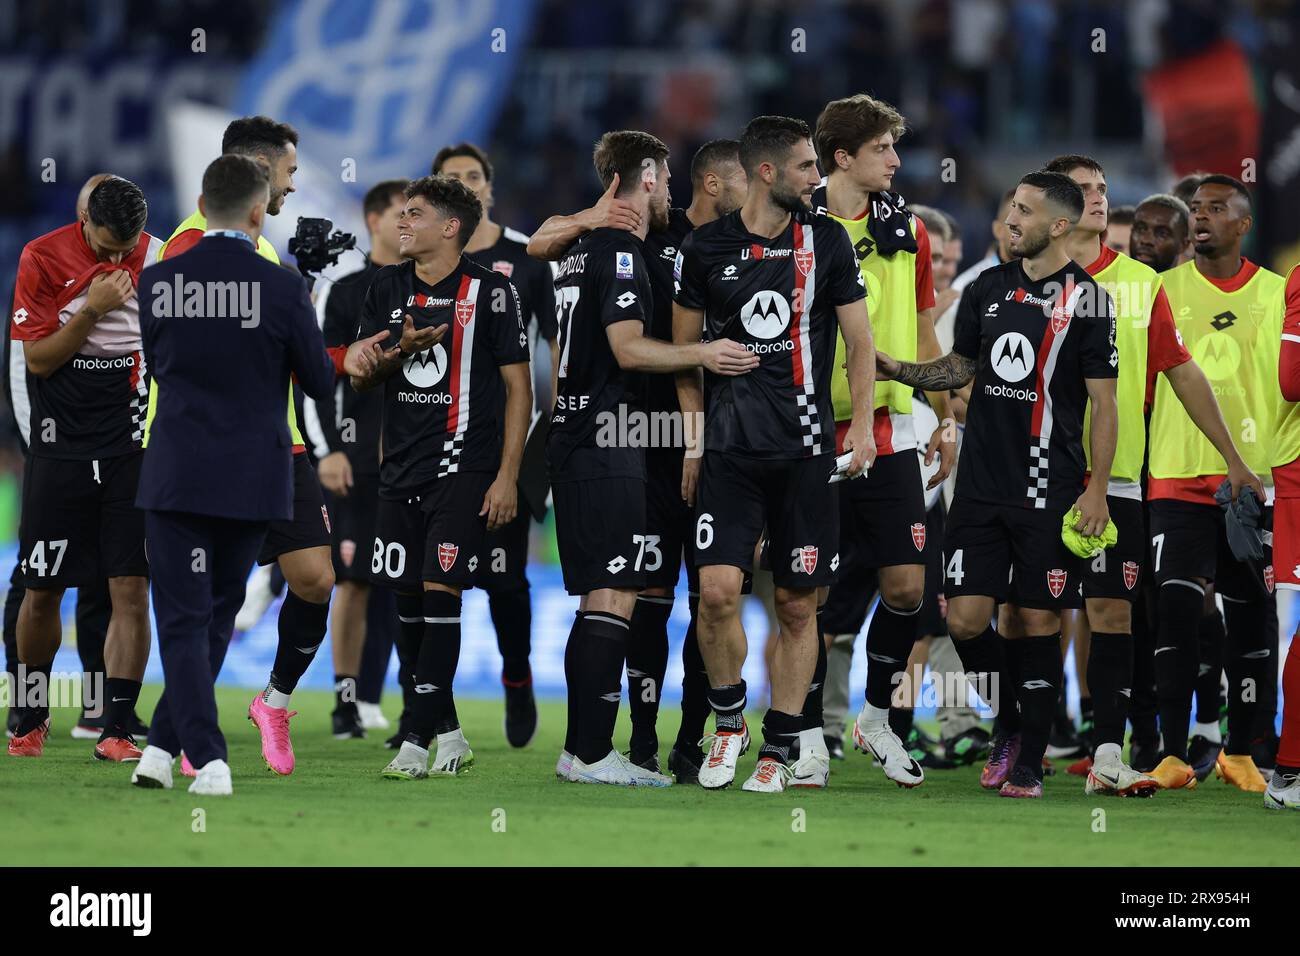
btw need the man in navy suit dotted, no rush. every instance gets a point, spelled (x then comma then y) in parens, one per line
(222, 330)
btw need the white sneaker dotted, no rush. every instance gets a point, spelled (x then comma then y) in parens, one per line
(813, 768)
(212, 780)
(564, 765)
(770, 776)
(257, 599)
(372, 717)
(154, 769)
(411, 763)
(617, 770)
(876, 738)
(1114, 778)
(454, 756)
(1283, 793)
(725, 748)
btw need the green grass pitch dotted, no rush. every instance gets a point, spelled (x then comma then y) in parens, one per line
(68, 809)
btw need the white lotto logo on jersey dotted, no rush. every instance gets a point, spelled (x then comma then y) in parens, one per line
(623, 265)
(426, 369)
(766, 315)
(1012, 357)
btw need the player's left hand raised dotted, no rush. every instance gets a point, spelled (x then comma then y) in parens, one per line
(1093, 511)
(501, 503)
(943, 443)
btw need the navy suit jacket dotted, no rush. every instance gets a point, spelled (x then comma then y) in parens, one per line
(219, 442)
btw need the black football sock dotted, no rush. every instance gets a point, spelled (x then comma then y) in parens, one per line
(1110, 678)
(901, 720)
(435, 669)
(1142, 704)
(409, 637)
(302, 629)
(1176, 660)
(780, 736)
(604, 639)
(35, 696)
(695, 690)
(647, 662)
(572, 679)
(1041, 674)
(1211, 637)
(1087, 715)
(120, 696)
(345, 690)
(1246, 660)
(812, 703)
(512, 616)
(728, 704)
(982, 658)
(13, 602)
(889, 643)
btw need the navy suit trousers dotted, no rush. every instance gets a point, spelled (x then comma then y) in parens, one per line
(198, 568)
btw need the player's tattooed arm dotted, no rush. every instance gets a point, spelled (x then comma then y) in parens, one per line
(950, 371)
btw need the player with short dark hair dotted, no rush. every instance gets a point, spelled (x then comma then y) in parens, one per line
(605, 302)
(345, 434)
(1037, 334)
(76, 326)
(502, 572)
(1229, 314)
(456, 404)
(1161, 231)
(717, 188)
(1119, 228)
(780, 279)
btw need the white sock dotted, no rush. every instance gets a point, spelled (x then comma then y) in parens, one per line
(1210, 732)
(812, 742)
(1107, 753)
(273, 698)
(874, 715)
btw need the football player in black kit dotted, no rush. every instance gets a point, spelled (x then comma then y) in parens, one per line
(605, 304)
(345, 435)
(717, 188)
(1037, 334)
(780, 279)
(455, 416)
(505, 554)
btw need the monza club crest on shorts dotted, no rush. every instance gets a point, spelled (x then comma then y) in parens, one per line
(447, 555)
(1130, 574)
(1056, 581)
(808, 558)
(918, 536)
(803, 260)
(1269, 580)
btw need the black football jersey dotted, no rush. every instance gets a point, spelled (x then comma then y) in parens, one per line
(1035, 342)
(444, 407)
(530, 277)
(660, 256)
(601, 281)
(777, 298)
(350, 421)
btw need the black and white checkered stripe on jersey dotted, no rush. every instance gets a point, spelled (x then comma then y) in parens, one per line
(1038, 458)
(809, 421)
(453, 446)
(140, 401)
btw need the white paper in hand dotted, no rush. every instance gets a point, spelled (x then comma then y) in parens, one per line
(841, 470)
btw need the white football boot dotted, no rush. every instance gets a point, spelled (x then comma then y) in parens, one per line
(411, 763)
(1109, 776)
(1283, 793)
(878, 739)
(564, 765)
(725, 748)
(616, 770)
(813, 768)
(454, 756)
(769, 776)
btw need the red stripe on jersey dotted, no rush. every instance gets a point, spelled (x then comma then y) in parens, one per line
(137, 373)
(453, 351)
(797, 358)
(1044, 353)
(882, 429)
